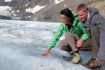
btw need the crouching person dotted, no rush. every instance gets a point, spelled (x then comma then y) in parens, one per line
(75, 35)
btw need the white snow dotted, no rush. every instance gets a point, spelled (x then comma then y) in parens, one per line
(21, 44)
(35, 9)
(8, 0)
(4, 10)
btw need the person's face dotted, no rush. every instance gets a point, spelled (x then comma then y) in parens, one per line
(64, 19)
(82, 14)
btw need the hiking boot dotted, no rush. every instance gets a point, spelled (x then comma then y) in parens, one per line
(92, 64)
(76, 58)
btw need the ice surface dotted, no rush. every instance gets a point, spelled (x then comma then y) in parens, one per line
(21, 44)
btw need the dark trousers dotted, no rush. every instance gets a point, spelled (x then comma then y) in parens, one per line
(95, 40)
(101, 53)
(98, 43)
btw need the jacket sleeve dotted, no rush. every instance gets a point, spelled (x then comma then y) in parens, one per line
(99, 21)
(84, 35)
(56, 36)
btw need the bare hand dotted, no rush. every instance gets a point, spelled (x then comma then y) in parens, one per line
(79, 43)
(46, 52)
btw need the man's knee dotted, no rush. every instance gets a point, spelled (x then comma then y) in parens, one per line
(64, 46)
(61, 44)
(68, 35)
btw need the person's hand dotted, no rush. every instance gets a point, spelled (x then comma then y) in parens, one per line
(79, 43)
(46, 52)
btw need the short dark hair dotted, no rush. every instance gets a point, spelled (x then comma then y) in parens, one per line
(67, 12)
(82, 6)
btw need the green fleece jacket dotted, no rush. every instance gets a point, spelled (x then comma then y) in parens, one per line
(77, 29)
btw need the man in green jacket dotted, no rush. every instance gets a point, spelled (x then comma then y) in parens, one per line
(74, 37)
